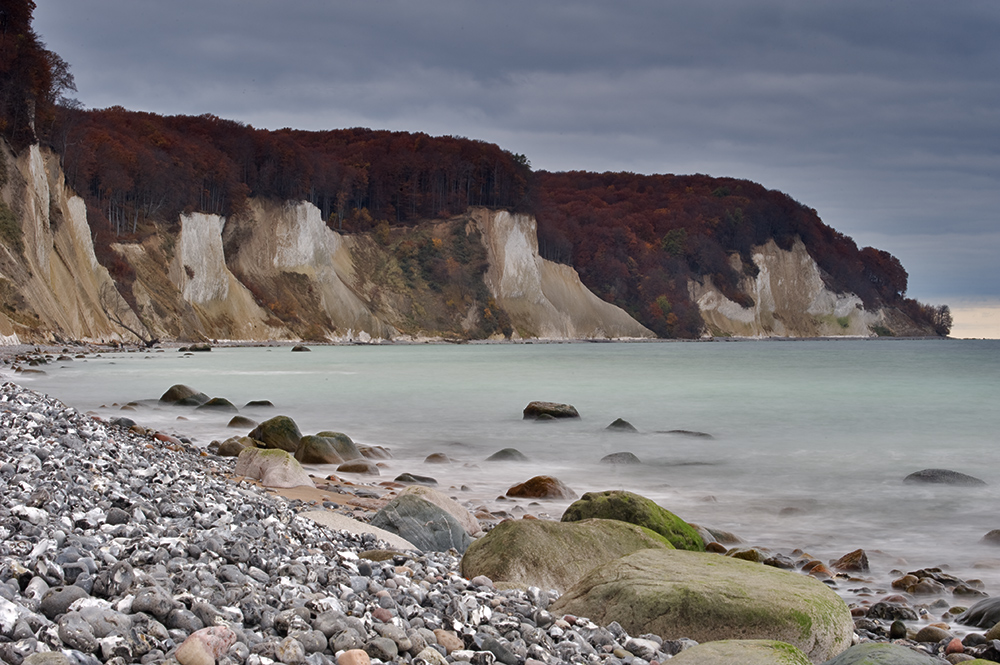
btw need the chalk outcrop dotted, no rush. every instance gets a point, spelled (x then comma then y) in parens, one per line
(791, 300)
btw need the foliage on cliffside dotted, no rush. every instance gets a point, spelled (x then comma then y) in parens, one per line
(636, 240)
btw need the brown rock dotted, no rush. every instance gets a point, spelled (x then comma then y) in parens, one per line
(955, 646)
(932, 634)
(853, 562)
(449, 640)
(905, 582)
(204, 646)
(354, 657)
(542, 487)
(437, 458)
(536, 410)
(359, 466)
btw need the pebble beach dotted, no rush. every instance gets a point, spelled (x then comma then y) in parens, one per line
(123, 546)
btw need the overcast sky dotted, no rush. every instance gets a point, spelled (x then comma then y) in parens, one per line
(884, 116)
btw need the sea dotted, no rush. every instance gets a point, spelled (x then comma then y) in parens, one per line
(790, 445)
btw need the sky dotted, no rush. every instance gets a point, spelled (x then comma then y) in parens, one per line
(882, 115)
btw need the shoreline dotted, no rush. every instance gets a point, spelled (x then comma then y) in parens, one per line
(307, 498)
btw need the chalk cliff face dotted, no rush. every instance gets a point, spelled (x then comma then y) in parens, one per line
(279, 272)
(51, 287)
(791, 300)
(545, 299)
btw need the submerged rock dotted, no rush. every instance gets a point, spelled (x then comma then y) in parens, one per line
(620, 425)
(942, 476)
(621, 458)
(542, 487)
(218, 404)
(181, 395)
(508, 455)
(536, 410)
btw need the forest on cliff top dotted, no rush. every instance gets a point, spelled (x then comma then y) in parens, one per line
(635, 239)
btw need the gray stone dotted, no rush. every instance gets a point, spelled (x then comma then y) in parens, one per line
(942, 476)
(874, 653)
(422, 523)
(57, 600)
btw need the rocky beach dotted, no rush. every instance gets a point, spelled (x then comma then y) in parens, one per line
(122, 545)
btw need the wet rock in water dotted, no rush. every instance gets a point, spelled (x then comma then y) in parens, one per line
(535, 410)
(362, 466)
(542, 487)
(414, 479)
(983, 614)
(279, 432)
(234, 445)
(218, 404)
(182, 395)
(992, 537)
(300, 348)
(242, 422)
(743, 652)
(688, 433)
(852, 562)
(200, 347)
(273, 468)
(621, 458)
(508, 455)
(553, 555)
(875, 653)
(943, 477)
(375, 452)
(675, 593)
(424, 524)
(259, 404)
(889, 611)
(446, 503)
(932, 634)
(123, 422)
(343, 444)
(437, 458)
(620, 425)
(635, 509)
(317, 450)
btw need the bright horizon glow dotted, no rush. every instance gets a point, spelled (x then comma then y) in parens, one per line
(976, 320)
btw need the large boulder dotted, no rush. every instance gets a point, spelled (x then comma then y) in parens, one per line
(742, 652)
(272, 467)
(629, 507)
(181, 395)
(446, 503)
(942, 477)
(343, 444)
(279, 432)
(553, 555)
(317, 450)
(429, 527)
(542, 487)
(983, 614)
(536, 410)
(882, 653)
(706, 597)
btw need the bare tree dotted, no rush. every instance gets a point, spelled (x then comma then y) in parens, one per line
(118, 311)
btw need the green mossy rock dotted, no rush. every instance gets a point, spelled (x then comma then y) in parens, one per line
(882, 653)
(553, 555)
(279, 432)
(742, 652)
(628, 507)
(707, 597)
(343, 444)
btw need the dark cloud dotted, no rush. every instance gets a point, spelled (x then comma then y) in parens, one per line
(884, 116)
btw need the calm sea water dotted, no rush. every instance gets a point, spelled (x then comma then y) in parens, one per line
(810, 440)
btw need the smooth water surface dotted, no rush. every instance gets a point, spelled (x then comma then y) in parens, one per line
(810, 440)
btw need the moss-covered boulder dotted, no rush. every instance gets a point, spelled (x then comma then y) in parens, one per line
(628, 507)
(742, 652)
(343, 444)
(317, 450)
(273, 468)
(553, 555)
(707, 597)
(882, 653)
(181, 395)
(279, 432)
